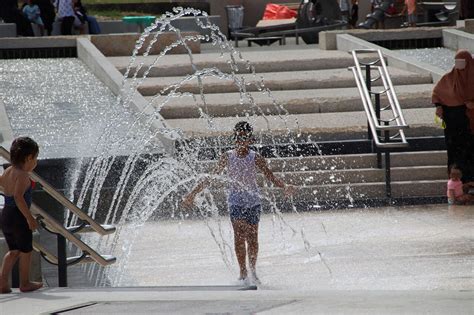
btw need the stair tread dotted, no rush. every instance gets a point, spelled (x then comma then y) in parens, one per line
(288, 80)
(314, 122)
(294, 101)
(295, 59)
(88, 229)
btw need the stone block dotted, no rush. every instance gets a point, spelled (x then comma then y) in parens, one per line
(397, 34)
(124, 44)
(457, 39)
(450, 39)
(466, 42)
(189, 24)
(469, 26)
(327, 40)
(117, 27)
(38, 42)
(7, 30)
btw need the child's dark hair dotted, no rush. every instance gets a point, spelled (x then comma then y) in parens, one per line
(453, 166)
(243, 131)
(21, 148)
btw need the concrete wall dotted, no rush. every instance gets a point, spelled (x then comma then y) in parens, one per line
(456, 39)
(7, 30)
(37, 42)
(6, 132)
(112, 78)
(346, 42)
(124, 44)
(327, 39)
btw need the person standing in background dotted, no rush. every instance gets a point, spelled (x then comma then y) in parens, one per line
(344, 6)
(65, 13)
(467, 9)
(33, 14)
(354, 13)
(410, 9)
(453, 96)
(374, 4)
(47, 14)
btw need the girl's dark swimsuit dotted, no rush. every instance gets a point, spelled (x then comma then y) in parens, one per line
(14, 225)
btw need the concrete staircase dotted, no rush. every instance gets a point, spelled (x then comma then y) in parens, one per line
(355, 178)
(320, 97)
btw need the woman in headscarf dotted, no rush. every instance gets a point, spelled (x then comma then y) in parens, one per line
(453, 96)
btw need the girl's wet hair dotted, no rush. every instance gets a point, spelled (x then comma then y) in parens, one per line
(243, 131)
(22, 148)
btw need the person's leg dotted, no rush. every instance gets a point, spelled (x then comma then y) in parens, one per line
(239, 245)
(25, 284)
(49, 27)
(66, 25)
(94, 27)
(252, 242)
(7, 265)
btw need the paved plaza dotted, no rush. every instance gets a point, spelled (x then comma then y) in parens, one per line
(415, 260)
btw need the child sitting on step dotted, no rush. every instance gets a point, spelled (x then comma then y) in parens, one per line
(33, 14)
(243, 196)
(16, 221)
(456, 189)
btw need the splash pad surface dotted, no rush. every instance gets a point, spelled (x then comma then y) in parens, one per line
(384, 261)
(412, 248)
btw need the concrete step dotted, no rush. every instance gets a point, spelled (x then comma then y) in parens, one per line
(313, 194)
(360, 191)
(414, 188)
(270, 61)
(293, 101)
(401, 160)
(420, 120)
(275, 81)
(362, 175)
(413, 174)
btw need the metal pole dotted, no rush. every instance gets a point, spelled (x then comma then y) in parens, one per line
(388, 188)
(377, 114)
(62, 261)
(369, 88)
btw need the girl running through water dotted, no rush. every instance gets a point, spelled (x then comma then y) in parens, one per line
(243, 196)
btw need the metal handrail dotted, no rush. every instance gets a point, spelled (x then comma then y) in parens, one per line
(375, 123)
(59, 228)
(379, 129)
(63, 200)
(53, 226)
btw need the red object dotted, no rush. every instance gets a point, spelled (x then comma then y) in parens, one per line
(277, 12)
(33, 184)
(391, 10)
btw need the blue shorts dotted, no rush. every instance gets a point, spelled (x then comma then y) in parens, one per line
(250, 215)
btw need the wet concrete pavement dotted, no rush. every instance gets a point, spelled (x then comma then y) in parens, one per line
(414, 260)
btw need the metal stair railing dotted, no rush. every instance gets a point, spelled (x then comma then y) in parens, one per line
(65, 233)
(380, 130)
(88, 222)
(371, 110)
